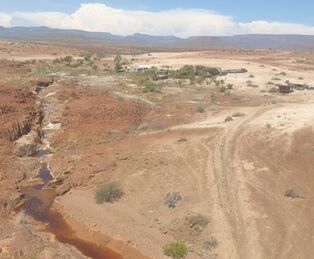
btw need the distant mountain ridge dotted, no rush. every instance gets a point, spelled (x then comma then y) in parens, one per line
(79, 37)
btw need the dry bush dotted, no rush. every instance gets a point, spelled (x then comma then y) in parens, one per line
(108, 192)
(175, 250)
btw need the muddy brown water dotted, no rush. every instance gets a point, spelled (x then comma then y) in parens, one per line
(39, 203)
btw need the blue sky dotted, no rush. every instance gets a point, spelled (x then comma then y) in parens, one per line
(242, 10)
(222, 16)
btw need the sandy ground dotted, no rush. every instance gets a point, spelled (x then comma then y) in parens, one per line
(232, 176)
(219, 171)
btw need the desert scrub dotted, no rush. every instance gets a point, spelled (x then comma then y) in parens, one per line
(172, 198)
(200, 109)
(175, 250)
(238, 114)
(108, 192)
(151, 88)
(41, 71)
(292, 194)
(210, 244)
(230, 86)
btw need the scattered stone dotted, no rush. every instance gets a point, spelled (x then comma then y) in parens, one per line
(143, 127)
(63, 189)
(16, 200)
(55, 182)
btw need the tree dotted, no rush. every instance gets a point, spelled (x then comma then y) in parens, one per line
(175, 250)
(68, 59)
(117, 63)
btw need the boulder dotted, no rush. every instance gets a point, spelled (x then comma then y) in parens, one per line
(27, 145)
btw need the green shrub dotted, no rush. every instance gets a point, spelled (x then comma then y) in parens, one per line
(186, 72)
(68, 59)
(175, 250)
(108, 192)
(206, 72)
(41, 71)
(151, 88)
(117, 63)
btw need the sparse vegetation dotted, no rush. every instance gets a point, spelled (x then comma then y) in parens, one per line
(68, 59)
(193, 72)
(238, 114)
(16, 80)
(41, 71)
(291, 193)
(273, 90)
(151, 88)
(175, 250)
(108, 192)
(222, 89)
(172, 198)
(210, 244)
(76, 158)
(200, 109)
(182, 139)
(228, 118)
(117, 63)
(230, 86)
(198, 220)
(186, 72)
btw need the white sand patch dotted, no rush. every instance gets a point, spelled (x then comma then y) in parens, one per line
(288, 118)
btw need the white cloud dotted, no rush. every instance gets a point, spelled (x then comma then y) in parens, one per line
(178, 22)
(264, 27)
(5, 19)
(99, 17)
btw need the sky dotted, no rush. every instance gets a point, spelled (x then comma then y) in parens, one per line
(180, 18)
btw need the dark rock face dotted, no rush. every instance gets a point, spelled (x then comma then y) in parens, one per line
(43, 83)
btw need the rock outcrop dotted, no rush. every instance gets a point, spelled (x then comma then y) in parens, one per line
(27, 145)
